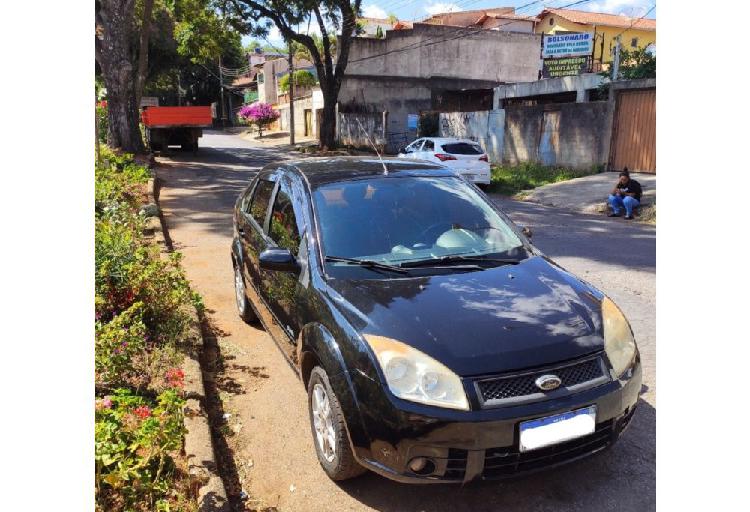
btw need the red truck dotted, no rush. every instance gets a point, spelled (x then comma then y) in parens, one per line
(175, 126)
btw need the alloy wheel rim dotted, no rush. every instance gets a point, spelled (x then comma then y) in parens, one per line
(239, 289)
(325, 434)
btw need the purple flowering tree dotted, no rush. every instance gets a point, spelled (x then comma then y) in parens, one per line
(259, 114)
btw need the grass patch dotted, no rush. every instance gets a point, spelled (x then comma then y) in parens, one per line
(510, 180)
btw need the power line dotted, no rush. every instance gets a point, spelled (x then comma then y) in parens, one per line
(636, 21)
(459, 33)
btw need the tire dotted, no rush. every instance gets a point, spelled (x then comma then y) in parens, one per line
(339, 463)
(244, 308)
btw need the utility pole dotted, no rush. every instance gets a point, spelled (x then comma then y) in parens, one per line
(221, 88)
(291, 94)
(616, 61)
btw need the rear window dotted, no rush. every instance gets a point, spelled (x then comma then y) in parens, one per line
(462, 148)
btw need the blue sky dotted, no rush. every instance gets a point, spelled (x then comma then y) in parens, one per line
(416, 10)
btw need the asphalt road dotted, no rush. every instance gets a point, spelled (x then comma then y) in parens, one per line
(267, 449)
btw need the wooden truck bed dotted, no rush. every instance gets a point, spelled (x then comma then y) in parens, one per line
(174, 117)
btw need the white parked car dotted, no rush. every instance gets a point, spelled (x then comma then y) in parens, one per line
(464, 156)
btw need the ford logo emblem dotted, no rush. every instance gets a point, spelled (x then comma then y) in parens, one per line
(548, 382)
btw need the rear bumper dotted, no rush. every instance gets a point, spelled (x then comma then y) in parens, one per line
(480, 178)
(487, 448)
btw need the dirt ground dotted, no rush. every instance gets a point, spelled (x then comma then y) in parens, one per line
(265, 440)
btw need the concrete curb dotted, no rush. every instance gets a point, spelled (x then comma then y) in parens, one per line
(199, 449)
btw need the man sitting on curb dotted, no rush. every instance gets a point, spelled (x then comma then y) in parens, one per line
(626, 193)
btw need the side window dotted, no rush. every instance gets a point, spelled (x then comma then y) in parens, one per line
(259, 203)
(283, 230)
(428, 146)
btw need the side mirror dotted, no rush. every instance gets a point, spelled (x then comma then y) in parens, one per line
(279, 260)
(526, 232)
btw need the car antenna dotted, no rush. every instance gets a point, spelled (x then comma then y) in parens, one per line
(385, 169)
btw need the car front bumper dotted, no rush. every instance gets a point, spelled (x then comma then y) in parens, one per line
(486, 444)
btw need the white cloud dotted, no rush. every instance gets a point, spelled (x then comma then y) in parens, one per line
(632, 8)
(374, 11)
(441, 7)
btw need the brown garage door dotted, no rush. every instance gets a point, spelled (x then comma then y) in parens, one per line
(634, 132)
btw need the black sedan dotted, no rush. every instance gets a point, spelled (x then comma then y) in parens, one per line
(437, 344)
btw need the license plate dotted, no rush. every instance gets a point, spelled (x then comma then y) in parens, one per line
(555, 429)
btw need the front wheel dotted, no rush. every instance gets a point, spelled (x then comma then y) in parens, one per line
(329, 429)
(243, 305)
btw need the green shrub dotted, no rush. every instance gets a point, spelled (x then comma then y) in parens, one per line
(141, 317)
(510, 180)
(136, 442)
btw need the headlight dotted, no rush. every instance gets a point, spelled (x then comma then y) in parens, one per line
(414, 376)
(618, 338)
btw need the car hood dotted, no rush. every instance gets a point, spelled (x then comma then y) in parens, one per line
(496, 320)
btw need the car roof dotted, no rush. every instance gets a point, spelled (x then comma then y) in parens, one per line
(319, 171)
(444, 140)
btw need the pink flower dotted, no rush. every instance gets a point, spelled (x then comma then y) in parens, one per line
(142, 412)
(104, 403)
(175, 377)
(258, 112)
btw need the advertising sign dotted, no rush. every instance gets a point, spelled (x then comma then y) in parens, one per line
(555, 68)
(567, 45)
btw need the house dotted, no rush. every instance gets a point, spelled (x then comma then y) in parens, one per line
(271, 71)
(466, 18)
(632, 32)
(368, 27)
(393, 81)
(499, 18)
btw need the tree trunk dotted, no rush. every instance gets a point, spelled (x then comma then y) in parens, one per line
(148, 7)
(114, 19)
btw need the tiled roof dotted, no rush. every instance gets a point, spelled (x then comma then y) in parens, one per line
(244, 81)
(600, 18)
(503, 16)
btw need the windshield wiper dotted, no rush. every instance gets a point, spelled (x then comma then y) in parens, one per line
(448, 260)
(366, 263)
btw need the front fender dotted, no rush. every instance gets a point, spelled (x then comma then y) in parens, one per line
(237, 251)
(318, 341)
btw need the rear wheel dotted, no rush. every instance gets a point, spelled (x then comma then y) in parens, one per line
(243, 305)
(329, 429)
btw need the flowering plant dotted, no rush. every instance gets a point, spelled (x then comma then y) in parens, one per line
(258, 113)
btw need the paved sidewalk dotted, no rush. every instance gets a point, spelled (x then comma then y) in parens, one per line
(589, 194)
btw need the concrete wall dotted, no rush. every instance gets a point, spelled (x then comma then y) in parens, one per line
(399, 97)
(579, 83)
(360, 129)
(486, 127)
(567, 134)
(509, 25)
(478, 54)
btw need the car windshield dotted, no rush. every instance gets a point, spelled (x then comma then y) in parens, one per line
(394, 220)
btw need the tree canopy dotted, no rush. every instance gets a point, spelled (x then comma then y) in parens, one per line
(302, 78)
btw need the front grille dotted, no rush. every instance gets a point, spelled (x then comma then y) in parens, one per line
(503, 462)
(455, 464)
(518, 388)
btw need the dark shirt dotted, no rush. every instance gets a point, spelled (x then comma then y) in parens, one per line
(632, 187)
